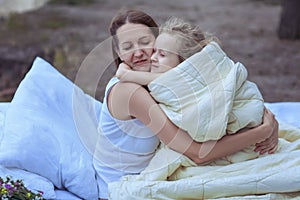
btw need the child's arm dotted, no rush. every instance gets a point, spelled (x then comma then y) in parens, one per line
(125, 74)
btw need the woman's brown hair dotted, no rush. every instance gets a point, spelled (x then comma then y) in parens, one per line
(129, 16)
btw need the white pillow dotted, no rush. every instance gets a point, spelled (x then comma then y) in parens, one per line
(3, 108)
(41, 134)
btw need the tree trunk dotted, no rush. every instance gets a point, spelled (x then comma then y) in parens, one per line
(289, 26)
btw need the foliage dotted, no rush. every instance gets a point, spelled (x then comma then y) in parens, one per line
(11, 189)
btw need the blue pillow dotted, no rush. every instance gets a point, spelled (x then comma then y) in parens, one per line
(50, 129)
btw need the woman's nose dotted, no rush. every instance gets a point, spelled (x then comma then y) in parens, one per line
(138, 52)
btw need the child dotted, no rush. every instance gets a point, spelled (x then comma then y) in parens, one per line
(212, 95)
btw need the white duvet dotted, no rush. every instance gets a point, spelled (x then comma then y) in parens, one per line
(275, 176)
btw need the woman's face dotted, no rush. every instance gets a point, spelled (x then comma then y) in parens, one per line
(165, 55)
(135, 45)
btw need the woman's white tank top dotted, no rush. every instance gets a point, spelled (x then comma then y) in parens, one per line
(123, 146)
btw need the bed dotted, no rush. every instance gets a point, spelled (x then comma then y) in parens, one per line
(47, 139)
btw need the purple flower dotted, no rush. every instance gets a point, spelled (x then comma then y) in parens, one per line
(8, 186)
(17, 190)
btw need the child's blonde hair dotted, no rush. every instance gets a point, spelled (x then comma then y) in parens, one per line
(191, 38)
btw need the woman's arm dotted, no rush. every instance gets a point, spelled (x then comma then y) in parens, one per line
(133, 100)
(265, 137)
(125, 74)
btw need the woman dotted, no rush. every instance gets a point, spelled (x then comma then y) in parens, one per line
(132, 123)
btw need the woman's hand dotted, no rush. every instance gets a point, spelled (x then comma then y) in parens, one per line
(122, 71)
(270, 143)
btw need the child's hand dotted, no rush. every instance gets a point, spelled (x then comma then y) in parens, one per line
(122, 71)
(270, 143)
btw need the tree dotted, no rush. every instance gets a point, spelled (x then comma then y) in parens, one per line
(289, 25)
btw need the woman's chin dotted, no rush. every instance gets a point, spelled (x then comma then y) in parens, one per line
(143, 68)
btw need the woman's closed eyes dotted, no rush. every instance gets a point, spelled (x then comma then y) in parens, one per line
(144, 41)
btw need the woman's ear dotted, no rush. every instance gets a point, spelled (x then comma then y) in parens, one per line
(119, 54)
(116, 50)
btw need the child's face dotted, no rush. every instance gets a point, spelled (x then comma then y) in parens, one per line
(165, 55)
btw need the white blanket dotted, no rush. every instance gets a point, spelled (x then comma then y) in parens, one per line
(275, 176)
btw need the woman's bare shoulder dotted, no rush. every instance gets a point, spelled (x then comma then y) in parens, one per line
(127, 89)
(125, 96)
